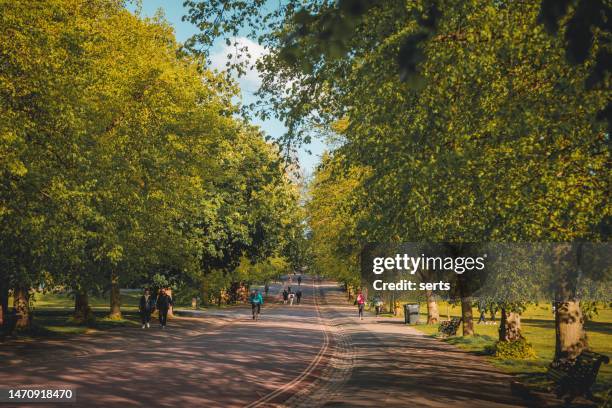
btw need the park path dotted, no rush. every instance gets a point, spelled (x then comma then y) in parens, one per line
(394, 365)
(317, 354)
(216, 361)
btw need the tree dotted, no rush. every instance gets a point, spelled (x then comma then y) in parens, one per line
(334, 242)
(124, 158)
(488, 133)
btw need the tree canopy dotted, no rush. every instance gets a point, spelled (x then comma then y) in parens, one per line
(123, 157)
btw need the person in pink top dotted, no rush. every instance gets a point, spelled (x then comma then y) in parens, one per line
(361, 303)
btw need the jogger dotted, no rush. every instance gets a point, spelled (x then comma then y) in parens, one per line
(360, 304)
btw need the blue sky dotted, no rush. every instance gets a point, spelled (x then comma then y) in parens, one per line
(174, 11)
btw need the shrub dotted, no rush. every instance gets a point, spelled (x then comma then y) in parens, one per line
(518, 349)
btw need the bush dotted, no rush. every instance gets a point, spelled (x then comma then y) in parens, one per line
(517, 349)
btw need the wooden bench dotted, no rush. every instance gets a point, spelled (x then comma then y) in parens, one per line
(449, 327)
(575, 378)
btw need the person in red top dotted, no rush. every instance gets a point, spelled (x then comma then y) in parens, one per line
(361, 303)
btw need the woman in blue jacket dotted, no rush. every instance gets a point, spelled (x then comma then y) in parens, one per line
(256, 301)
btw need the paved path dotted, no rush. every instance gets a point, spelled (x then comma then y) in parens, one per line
(313, 355)
(214, 362)
(397, 366)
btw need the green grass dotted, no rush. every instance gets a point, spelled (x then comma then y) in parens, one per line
(52, 314)
(46, 301)
(58, 323)
(538, 327)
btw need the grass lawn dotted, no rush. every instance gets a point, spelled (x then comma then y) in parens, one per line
(53, 323)
(49, 301)
(539, 329)
(52, 314)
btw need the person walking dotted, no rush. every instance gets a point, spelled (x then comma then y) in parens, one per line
(378, 303)
(285, 296)
(360, 303)
(146, 307)
(482, 308)
(164, 301)
(256, 301)
(300, 280)
(298, 296)
(266, 289)
(291, 297)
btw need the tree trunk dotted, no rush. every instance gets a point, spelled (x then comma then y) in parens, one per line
(21, 303)
(466, 315)
(115, 297)
(465, 294)
(4, 293)
(169, 293)
(433, 315)
(82, 311)
(510, 326)
(570, 336)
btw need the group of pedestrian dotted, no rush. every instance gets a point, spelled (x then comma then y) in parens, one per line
(361, 300)
(289, 296)
(148, 304)
(256, 298)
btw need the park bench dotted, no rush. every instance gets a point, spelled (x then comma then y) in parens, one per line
(449, 327)
(575, 378)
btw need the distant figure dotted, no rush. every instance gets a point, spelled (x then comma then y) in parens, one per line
(298, 296)
(146, 307)
(285, 296)
(300, 280)
(360, 303)
(291, 297)
(482, 308)
(482, 319)
(163, 305)
(256, 301)
(266, 289)
(378, 303)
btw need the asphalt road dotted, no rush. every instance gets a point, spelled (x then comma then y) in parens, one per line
(314, 354)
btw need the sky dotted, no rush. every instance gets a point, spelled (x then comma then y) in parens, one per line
(174, 11)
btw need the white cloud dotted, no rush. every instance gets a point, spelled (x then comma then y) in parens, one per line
(251, 80)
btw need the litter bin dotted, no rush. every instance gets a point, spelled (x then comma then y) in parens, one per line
(411, 313)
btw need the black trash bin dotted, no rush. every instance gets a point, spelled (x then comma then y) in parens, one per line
(411, 313)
